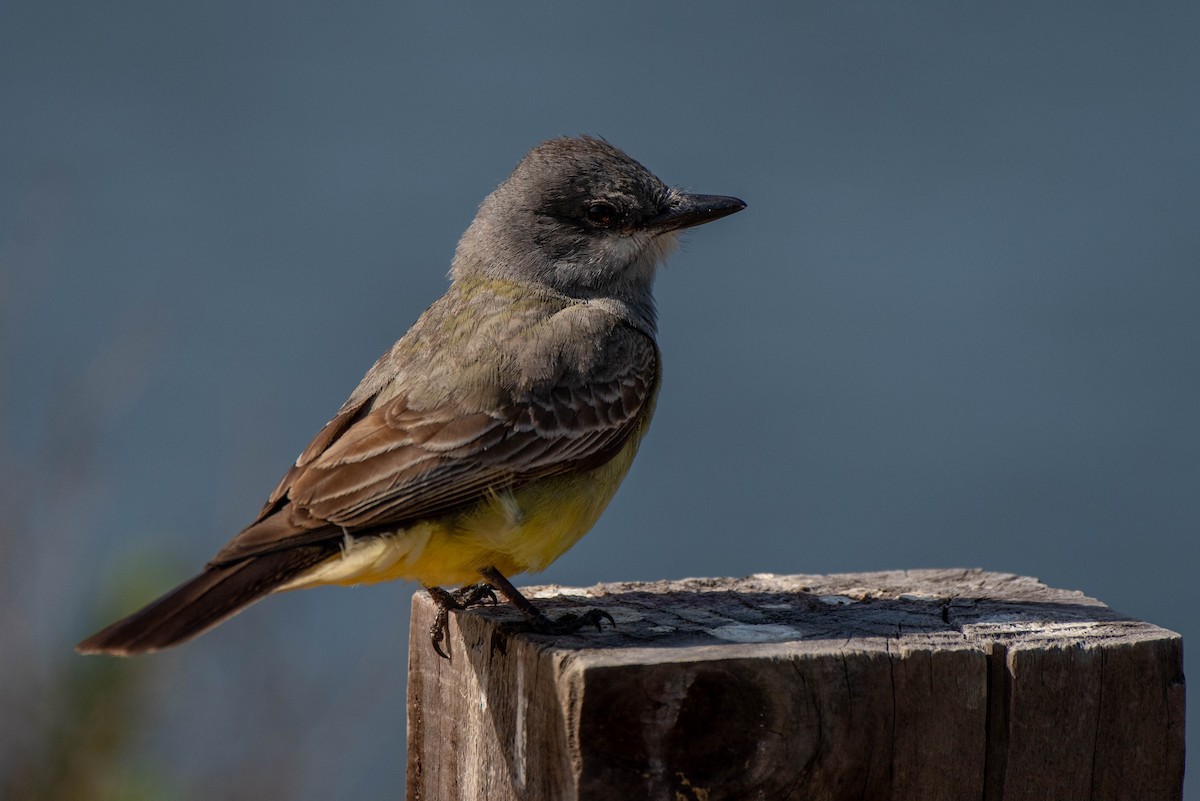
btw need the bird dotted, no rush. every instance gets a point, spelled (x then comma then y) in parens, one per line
(490, 437)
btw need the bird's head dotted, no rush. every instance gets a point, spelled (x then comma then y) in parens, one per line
(581, 217)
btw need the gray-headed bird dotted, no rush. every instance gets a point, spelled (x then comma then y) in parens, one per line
(491, 437)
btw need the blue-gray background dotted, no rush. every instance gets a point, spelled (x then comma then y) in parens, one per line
(957, 325)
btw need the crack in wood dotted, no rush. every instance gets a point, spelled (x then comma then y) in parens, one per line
(988, 679)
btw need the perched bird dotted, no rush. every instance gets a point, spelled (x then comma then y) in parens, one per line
(491, 437)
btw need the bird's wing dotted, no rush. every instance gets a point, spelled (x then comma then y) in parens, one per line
(372, 468)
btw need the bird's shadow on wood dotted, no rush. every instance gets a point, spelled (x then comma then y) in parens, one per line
(679, 619)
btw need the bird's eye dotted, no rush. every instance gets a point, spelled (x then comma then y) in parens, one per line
(601, 214)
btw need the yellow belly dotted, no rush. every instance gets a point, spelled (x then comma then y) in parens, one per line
(515, 532)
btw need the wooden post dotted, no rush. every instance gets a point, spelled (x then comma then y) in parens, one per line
(920, 684)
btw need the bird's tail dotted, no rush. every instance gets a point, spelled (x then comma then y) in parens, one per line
(196, 606)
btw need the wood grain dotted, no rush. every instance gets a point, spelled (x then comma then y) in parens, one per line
(924, 684)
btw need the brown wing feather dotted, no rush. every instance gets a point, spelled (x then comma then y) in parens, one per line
(349, 414)
(371, 468)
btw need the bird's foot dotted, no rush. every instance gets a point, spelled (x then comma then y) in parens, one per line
(474, 595)
(570, 622)
(535, 620)
(462, 598)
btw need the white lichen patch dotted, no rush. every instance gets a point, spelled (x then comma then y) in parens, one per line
(747, 632)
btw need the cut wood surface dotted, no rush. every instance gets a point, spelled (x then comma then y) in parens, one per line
(919, 684)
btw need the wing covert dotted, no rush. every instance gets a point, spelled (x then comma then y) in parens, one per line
(374, 467)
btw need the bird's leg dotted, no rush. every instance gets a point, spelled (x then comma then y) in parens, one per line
(462, 598)
(538, 622)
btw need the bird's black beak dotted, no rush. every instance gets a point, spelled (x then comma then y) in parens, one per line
(686, 211)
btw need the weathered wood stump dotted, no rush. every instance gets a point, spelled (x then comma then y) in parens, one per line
(924, 684)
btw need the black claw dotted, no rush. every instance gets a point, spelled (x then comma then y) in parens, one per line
(599, 615)
(437, 632)
(475, 595)
(462, 598)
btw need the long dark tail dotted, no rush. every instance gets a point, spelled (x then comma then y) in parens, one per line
(198, 605)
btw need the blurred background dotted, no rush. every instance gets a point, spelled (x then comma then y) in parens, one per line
(958, 325)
